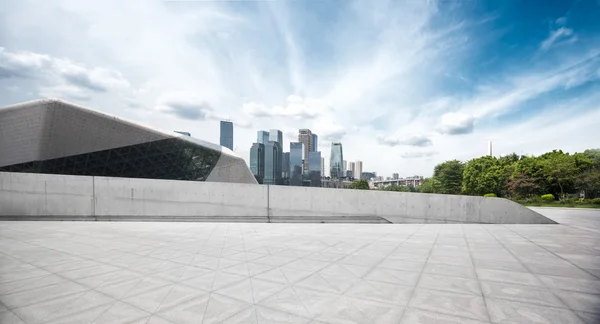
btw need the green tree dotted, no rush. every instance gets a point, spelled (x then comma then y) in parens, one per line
(561, 171)
(395, 187)
(430, 185)
(484, 175)
(450, 176)
(594, 156)
(360, 184)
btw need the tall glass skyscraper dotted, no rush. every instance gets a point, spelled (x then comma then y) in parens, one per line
(257, 161)
(296, 158)
(336, 161)
(227, 134)
(315, 143)
(286, 165)
(262, 137)
(314, 168)
(276, 136)
(272, 171)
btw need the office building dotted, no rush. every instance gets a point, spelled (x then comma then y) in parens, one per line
(345, 166)
(314, 168)
(286, 165)
(296, 163)
(395, 176)
(315, 142)
(352, 167)
(368, 175)
(336, 161)
(305, 137)
(68, 139)
(322, 166)
(262, 137)
(257, 161)
(358, 169)
(276, 135)
(272, 170)
(349, 174)
(227, 134)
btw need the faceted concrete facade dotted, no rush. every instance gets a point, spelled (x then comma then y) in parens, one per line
(56, 137)
(104, 272)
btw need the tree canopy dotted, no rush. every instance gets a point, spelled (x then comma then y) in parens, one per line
(360, 184)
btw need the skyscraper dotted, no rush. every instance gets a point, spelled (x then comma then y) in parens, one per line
(262, 137)
(345, 166)
(322, 166)
(395, 176)
(314, 168)
(305, 137)
(315, 143)
(296, 162)
(286, 165)
(227, 134)
(276, 136)
(336, 161)
(352, 167)
(272, 162)
(359, 170)
(257, 161)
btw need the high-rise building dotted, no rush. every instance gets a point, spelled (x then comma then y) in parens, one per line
(305, 137)
(315, 143)
(314, 168)
(336, 161)
(345, 166)
(352, 167)
(322, 166)
(276, 135)
(262, 137)
(296, 163)
(272, 162)
(358, 169)
(227, 134)
(369, 175)
(257, 161)
(286, 165)
(395, 176)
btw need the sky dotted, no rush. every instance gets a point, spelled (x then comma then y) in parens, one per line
(403, 85)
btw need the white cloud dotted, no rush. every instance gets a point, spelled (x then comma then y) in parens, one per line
(296, 107)
(555, 35)
(455, 123)
(418, 154)
(418, 140)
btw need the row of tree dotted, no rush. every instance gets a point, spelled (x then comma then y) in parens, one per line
(514, 176)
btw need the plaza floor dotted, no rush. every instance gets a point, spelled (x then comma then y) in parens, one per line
(160, 273)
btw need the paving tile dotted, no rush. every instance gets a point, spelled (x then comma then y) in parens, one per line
(120, 313)
(520, 278)
(220, 308)
(381, 292)
(190, 311)
(451, 284)
(450, 270)
(580, 285)
(33, 296)
(580, 301)
(31, 283)
(399, 277)
(286, 301)
(462, 305)
(498, 265)
(568, 271)
(419, 316)
(504, 311)
(520, 293)
(9, 317)
(589, 318)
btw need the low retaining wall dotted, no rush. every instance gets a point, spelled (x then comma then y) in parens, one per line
(46, 196)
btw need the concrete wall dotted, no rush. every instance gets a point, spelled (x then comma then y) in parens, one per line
(44, 196)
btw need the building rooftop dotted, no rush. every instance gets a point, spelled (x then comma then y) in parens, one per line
(144, 272)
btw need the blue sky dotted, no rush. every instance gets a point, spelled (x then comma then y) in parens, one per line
(404, 85)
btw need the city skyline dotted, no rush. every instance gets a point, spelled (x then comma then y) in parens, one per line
(470, 72)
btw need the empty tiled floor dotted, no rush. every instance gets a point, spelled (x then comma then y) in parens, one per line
(160, 273)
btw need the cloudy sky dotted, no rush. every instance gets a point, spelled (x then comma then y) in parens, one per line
(403, 85)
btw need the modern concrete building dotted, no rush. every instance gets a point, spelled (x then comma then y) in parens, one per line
(395, 176)
(336, 161)
(227, 134)
(315, 143)
(314, 168)
(257, 161)
(345, 166)
(352, 167)
(296, 163)
(272, 162)
(322, 166)
(358, 169)
(286, 165)
(305, 137)
(56, 137)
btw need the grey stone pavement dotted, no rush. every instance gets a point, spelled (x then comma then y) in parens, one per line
(159, 273)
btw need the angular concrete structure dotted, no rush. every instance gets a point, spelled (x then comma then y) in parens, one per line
(55, 137)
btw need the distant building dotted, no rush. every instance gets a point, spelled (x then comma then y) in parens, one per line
(395, 175)
(262, 137)
(286, 165)
(296, 163)
(345, 166)
(352, 167)
(349, 174)
(368, 175)
(322, 166)
(305, 137)
(336, 161)
(315, 143)
(183, 133)
(272, 162)
(314, 168)
(257, 161)
(358, 169)
(227, 134)
(408, 181)
(276, 135)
